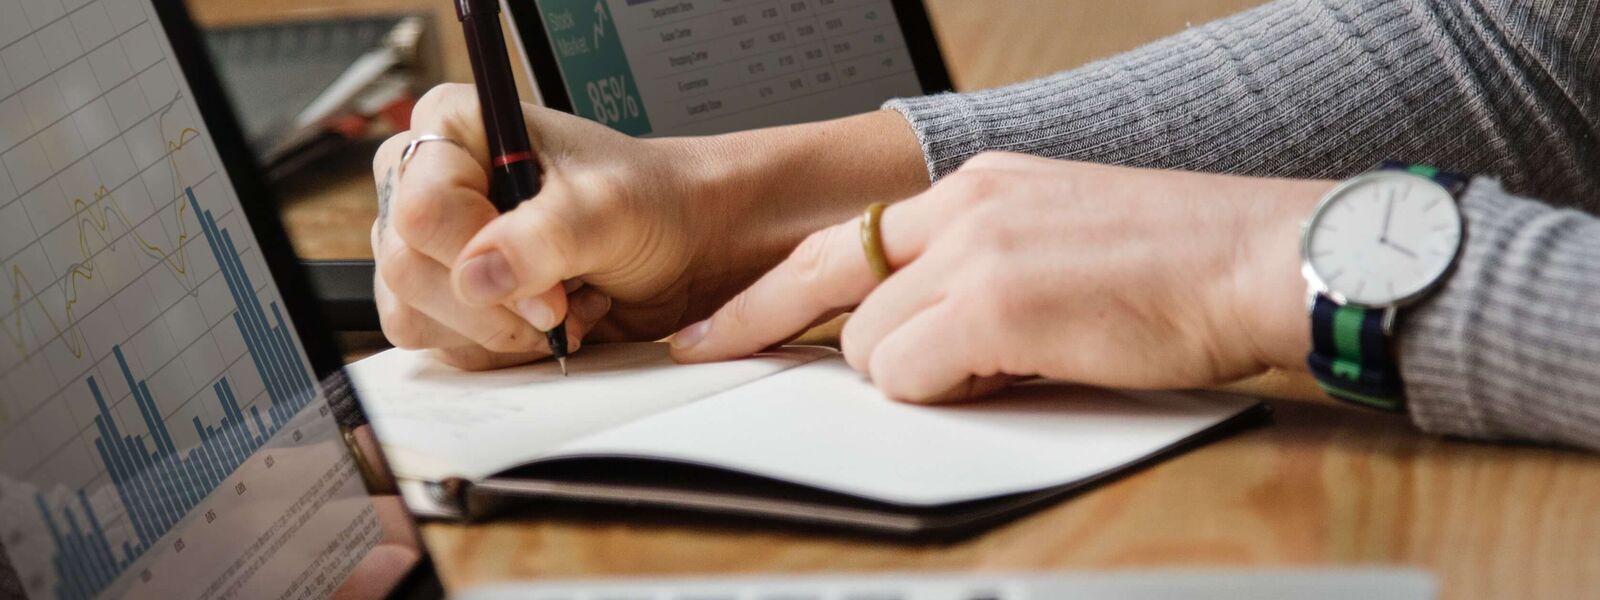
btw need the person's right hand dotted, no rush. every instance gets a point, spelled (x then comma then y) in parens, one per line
(479, 288)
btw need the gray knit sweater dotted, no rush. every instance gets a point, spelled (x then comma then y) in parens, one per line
(1509, 348)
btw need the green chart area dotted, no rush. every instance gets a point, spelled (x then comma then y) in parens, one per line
(593, 65)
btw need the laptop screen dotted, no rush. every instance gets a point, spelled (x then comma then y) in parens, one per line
(162, 432)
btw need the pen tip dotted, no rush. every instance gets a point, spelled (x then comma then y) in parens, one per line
(563, 362)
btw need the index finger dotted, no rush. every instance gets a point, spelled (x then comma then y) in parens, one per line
(437, 197)
(452, 110)
(826, 272)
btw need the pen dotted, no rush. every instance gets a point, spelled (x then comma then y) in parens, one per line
(514, 174)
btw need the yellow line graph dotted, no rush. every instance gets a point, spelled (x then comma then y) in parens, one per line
(94, 218)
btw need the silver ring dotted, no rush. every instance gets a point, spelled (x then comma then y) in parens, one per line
(411, 149)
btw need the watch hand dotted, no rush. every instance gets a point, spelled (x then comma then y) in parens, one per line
(1388, 211)
(1401, 249)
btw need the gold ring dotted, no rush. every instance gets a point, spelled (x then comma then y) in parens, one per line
(872, 240)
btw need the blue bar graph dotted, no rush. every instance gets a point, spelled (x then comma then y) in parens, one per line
(157, 483)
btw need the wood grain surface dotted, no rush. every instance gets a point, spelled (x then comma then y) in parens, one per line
(1323, 485)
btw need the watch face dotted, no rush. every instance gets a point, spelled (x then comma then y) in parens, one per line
(1382, 238)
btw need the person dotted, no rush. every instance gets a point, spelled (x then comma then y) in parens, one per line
(1132, 223)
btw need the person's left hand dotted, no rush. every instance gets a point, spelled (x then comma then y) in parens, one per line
(1020, 266)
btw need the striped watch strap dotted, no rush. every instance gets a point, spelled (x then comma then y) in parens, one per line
(1350, 355)
(1455, 183)
(1350, 344)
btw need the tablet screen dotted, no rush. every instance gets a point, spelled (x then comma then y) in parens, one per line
(692, 67)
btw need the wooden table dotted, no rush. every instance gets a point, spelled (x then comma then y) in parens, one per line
(1323, 486)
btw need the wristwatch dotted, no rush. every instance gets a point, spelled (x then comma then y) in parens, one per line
(1374, 244)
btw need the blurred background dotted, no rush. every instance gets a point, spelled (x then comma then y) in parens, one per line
(319, 84)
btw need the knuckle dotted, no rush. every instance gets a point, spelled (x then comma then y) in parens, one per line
(438, 100)
(511, 338)
(851, 344)
(414, 219)
(737, 315)
(810, 260)
(402, 271)
(893, 383)
(405, 335)
(589, 197)
(976, 185)
(449, 109)
(590, 309)
(992, 220)
(598, 192)
(388, 153)
(402, 326)
(990, 214)
(989, 299)
(466, 359)
(966, 236)
(965, 390)
(983, 233)
(600, 184)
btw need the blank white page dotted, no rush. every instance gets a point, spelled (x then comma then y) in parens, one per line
(436, 421)
(823, 425)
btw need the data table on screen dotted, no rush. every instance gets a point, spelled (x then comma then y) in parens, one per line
(690, 67)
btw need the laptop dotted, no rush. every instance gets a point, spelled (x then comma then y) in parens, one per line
(172, 425)
(163, 429)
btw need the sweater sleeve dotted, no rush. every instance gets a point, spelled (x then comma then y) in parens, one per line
(1316, 89)
(1509, 348)
(342, 400)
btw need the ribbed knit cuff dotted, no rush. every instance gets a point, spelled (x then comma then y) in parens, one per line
(1507, 348)
(342, 399)
(1433, 332)
(946, 129)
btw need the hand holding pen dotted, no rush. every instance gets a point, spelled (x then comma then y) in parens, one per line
(514, 170)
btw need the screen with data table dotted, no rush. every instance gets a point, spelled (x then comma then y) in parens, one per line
(162, 434)
(691, 67)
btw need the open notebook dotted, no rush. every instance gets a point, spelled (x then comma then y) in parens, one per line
(792, 434)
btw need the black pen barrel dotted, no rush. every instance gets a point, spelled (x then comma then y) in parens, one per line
(514, 171)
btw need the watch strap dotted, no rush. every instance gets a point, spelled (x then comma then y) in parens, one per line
(1351, 357)
(1455, 183)
(1351, 345)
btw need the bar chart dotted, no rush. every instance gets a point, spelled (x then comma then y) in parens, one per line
(162, 434)
(157, 484)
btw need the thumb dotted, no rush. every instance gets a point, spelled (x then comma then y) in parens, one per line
(521, 254)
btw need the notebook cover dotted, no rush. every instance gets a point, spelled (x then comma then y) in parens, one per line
(641, 486)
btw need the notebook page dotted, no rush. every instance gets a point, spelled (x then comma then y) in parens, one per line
(436, 421)
(824, 426)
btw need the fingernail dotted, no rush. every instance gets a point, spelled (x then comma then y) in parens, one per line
(536, 313)
(691, 335)
(487, 278)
